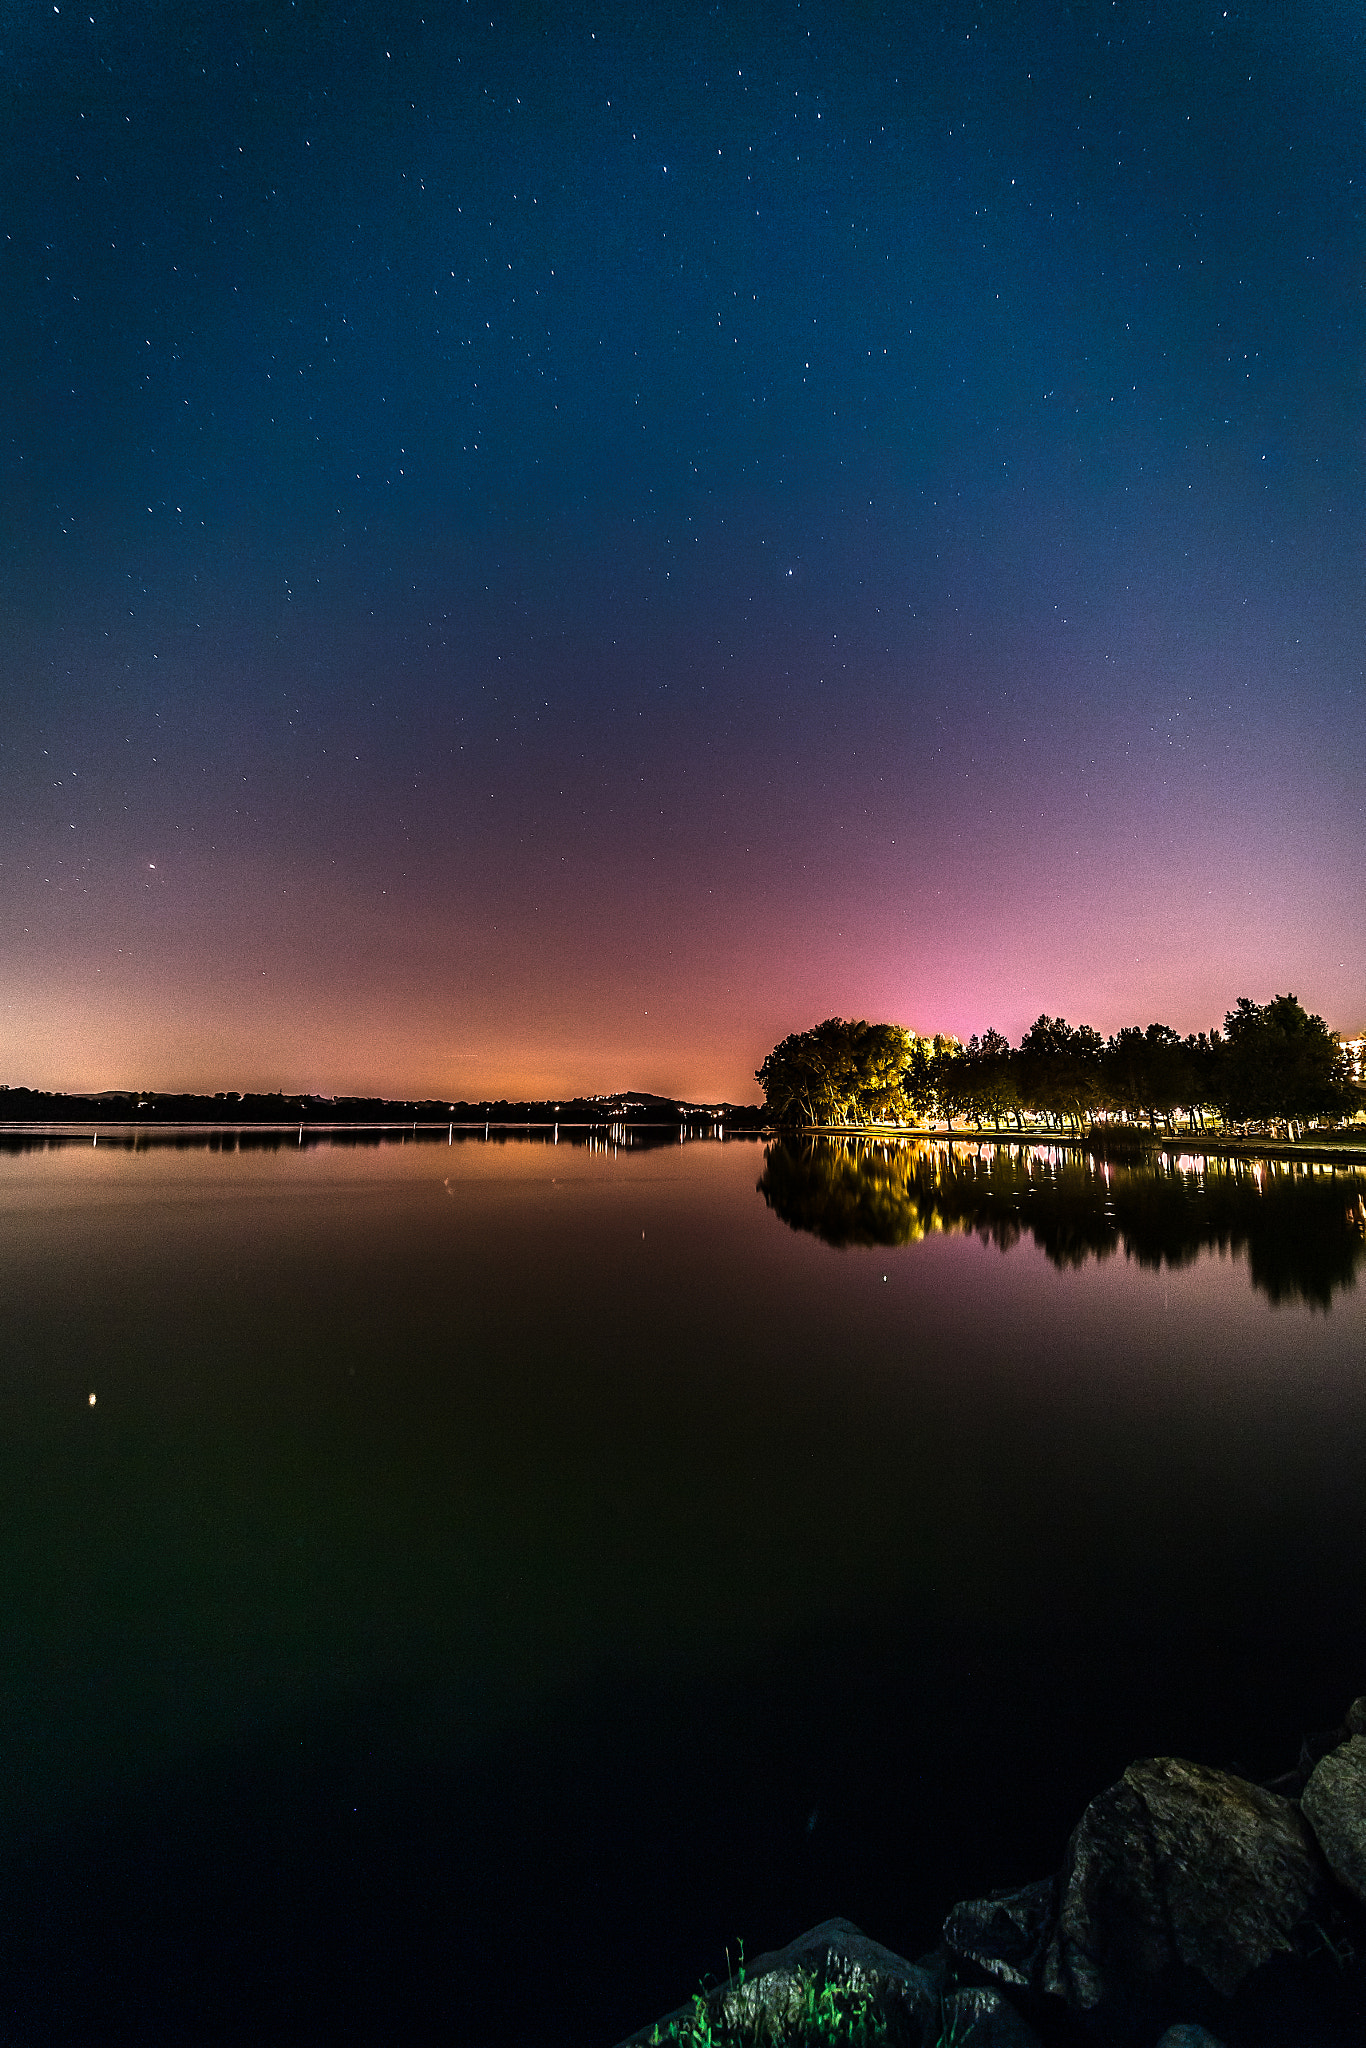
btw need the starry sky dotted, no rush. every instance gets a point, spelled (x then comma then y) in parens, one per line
(545, 547)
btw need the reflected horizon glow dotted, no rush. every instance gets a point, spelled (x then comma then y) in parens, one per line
(420, 1470)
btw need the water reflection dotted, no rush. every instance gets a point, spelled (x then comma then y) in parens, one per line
(460, 1534)
(608, 1136)
(1301, 1227)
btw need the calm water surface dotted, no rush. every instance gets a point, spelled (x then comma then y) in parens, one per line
(494, 1576)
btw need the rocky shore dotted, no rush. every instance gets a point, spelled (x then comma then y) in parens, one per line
(1193, 1910)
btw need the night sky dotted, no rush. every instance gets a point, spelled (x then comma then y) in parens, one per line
(542, 549)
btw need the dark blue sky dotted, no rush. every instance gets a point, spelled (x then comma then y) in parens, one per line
(544, 548)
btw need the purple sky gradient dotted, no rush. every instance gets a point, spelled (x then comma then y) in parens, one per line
(544, 557)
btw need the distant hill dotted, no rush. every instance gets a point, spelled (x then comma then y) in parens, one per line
(150, 1106)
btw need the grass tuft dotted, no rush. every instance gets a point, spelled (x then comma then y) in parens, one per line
(817, 2013)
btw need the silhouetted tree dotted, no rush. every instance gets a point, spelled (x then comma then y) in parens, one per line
(1280, 1065)
(1152, 1073)
(950, 1079)
(1059, 1069)
(989, 1087)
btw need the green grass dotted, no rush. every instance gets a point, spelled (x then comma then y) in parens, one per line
(817, 2013)
(817, 2016)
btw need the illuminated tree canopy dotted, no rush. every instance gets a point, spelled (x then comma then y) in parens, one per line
(849, 1073)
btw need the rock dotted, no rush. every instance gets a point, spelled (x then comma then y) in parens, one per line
(775, 1987)
(835, 1952)
(1005, 1936)
(1186, 2034)
(980, 2018)
(1313, 1748)
(1356, 1717)
(1334, 1803)
(1177, 1867)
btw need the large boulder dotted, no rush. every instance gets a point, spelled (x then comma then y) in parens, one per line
(1334, 1803)
(1178, 1872)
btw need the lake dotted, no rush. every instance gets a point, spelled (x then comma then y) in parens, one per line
(493, 1576)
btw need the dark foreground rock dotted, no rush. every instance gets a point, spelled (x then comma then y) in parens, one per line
(1194, 1909)
(798, 1994)
(1007, 1935)
(1179, 1868)
(1334, 1803)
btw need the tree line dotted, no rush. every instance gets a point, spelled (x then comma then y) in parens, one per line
(1272, 1065)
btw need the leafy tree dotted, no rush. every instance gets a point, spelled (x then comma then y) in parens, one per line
(1165, 1076)
(1060, 1069)
(1197, 1066)
(917, 1081)
(1280, 1065)
(950, 1081)
(1126, 1073)
(1273, 1063)
(882, 1057)
(802, 1077)
(1151, 1073)
(989, 1086)
(845, 1072)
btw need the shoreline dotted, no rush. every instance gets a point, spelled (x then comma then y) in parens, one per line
(1116, 1139)
(1116, 1142)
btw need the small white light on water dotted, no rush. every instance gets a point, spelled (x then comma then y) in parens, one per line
(92, 1400)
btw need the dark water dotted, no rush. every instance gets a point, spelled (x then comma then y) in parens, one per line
(493, 1578)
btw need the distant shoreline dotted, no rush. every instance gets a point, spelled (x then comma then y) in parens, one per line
(689, 1119)
(151, 1109)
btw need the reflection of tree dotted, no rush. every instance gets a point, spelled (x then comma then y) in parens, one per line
(847, 1193)
(1302, 1231)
